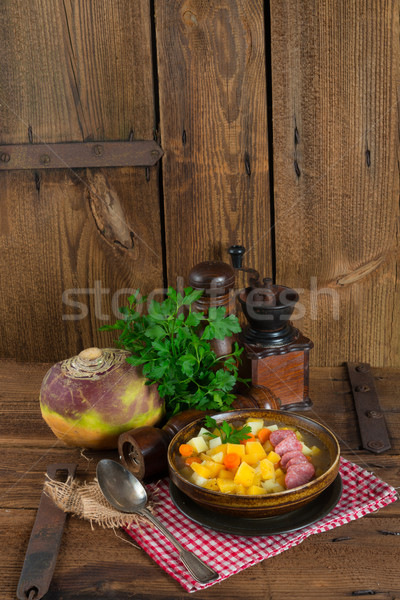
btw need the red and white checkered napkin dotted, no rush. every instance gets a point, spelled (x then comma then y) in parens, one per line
(363, 493)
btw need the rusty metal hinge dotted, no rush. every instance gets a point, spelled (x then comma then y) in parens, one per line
(78, 155)
(44, 543)
(373, 430)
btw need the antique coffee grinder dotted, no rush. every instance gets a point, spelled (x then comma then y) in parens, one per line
(276, 353)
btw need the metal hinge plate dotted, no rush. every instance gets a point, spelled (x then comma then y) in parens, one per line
(78, 155)
(373, 430)
(44, 543)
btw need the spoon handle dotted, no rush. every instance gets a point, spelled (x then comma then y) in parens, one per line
(196, 567)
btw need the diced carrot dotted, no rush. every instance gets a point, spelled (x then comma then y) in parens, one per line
(232, 460)
(192, 459)
(250, 438)
(263, 434)
(186, 450)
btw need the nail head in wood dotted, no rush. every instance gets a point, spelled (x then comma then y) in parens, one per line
(98, 150)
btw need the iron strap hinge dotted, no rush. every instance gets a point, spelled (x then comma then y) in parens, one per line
(78, 155)
(44, 543)
(373, 430)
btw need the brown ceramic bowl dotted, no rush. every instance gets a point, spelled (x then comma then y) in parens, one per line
(263, 505)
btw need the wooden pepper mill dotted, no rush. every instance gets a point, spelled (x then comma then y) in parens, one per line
(144, 450)
(276, 353)
(216, 280)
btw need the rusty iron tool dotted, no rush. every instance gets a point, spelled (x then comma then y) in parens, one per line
(44, 543)
(372, 425)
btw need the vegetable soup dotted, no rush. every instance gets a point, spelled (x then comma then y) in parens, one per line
(255, 457)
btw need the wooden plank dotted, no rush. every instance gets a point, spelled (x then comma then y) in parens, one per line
(74, 71)
(211, 68)
(27, 442)
(336, 172)
(21, 422)
(106, 566)
(22, 472)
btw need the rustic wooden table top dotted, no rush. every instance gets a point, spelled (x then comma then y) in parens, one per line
(97, 564)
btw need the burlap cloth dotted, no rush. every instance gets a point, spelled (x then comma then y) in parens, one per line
(86, 501)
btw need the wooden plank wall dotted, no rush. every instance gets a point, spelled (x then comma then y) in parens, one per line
(201, 74)
(335, 77)
(213, 109)
(74, 71)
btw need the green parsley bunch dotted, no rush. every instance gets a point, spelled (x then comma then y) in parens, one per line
(172, 345)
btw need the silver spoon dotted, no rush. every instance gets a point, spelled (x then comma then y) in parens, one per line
(127, 494)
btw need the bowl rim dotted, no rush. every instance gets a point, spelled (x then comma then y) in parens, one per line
(285, 493)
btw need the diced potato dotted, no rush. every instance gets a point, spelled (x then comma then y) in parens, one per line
(272, 427)
(211, 484)
(201, 470)
(298, 435)
(204, 456)
(255, 424)
(257, 479)
(255, 449)
(281, 480)
(278, 472)
(227, 486)
(218, 458)
(214, 442)
(240, 489)
(274, 457)
(198, 480)
(216, 449)
(199, 444)
(267, 469)
(225, 474)
(213, 467)
(268, 447)
(244, 475)
(235, 449)
(271, 487)
(204, 433)
(315, 450)
(306, 450)
(256, 490)
(250, 459)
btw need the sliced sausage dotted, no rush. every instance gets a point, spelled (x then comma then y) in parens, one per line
(298, 460)
(280, 434)
(287, 445)
(299, 475)
(289, 455)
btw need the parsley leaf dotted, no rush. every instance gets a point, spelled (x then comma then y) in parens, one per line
(227, 433)
(171, 344)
